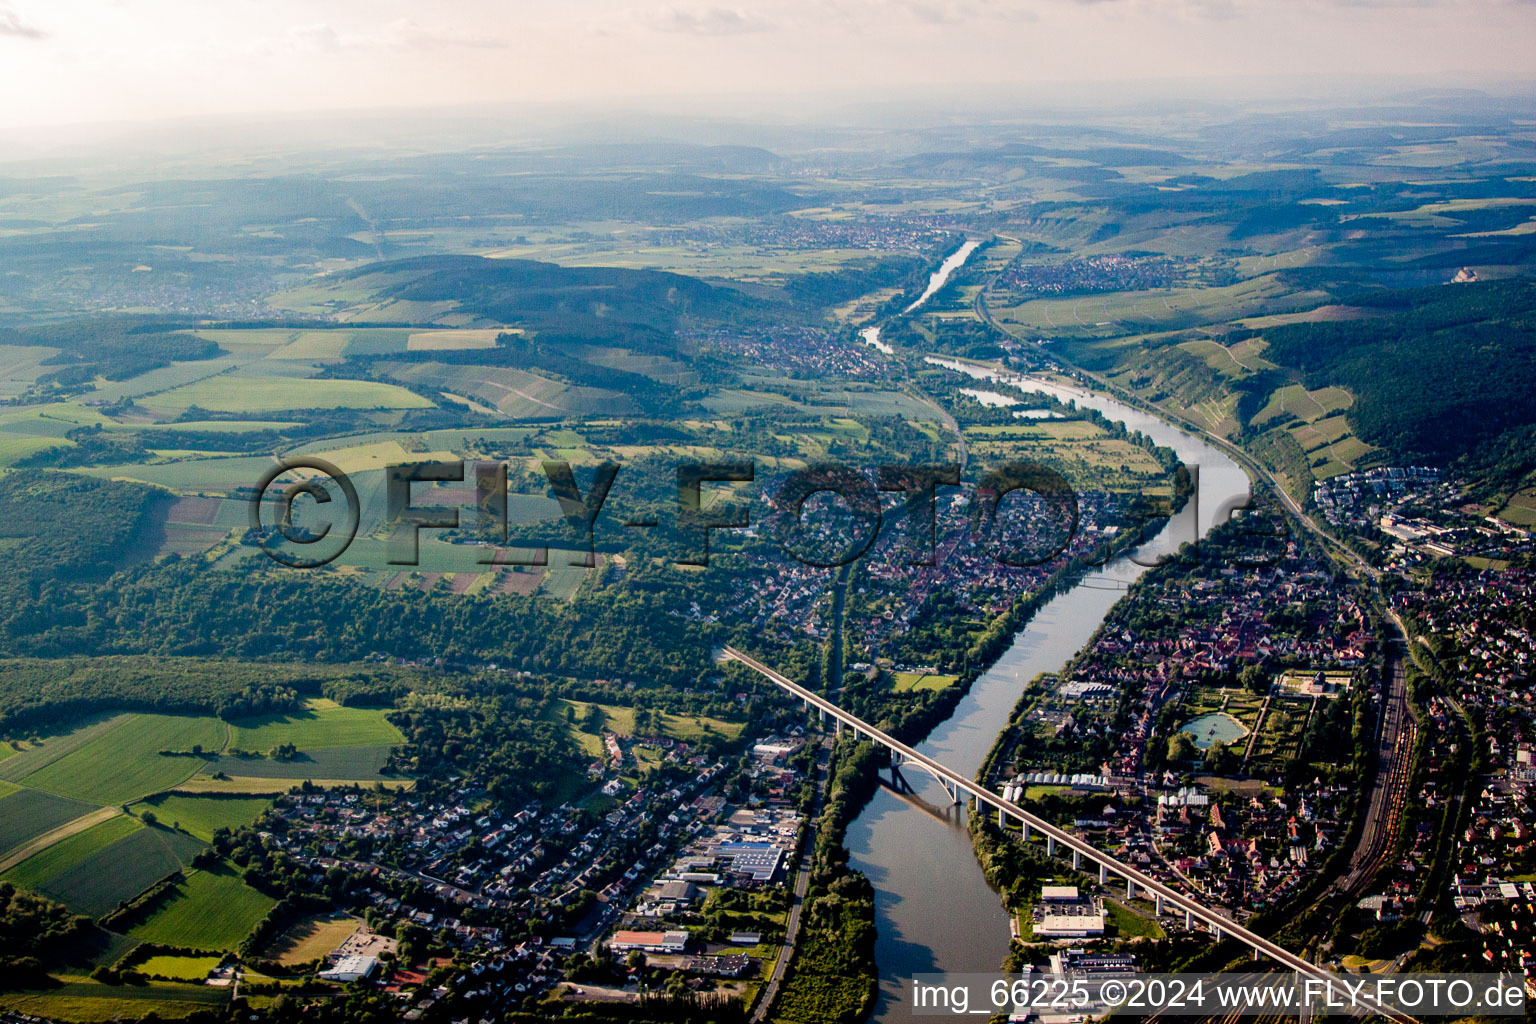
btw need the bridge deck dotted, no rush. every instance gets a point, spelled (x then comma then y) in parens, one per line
(1143, 882)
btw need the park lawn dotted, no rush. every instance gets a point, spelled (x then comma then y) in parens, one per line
(179, 968)
(33, 872)
(321, 723)
(230, 393)
(125, 763)
(201, 816)
(210, 910)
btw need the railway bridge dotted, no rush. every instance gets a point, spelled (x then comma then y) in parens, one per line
(1058, 842)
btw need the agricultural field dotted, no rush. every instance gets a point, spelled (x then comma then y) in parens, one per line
(37, 752)
(80, 999)
(121, 870)
(355, 764)
(33, 872)
(1083, 451)
(1521, 509)
(230, 393)
(28, 814)
(250, 785)
(322, 723)
(125, 763)
(179, 968)
(201, 816)
(210, 910)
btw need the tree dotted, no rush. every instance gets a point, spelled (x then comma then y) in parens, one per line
(1181, 747)
(1254, 679)
(150, 819)
(1221, 759)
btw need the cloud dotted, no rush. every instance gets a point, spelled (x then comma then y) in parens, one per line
(400, 36)
(407, 34)
(705, 21)
(317, 37)
(12, 25)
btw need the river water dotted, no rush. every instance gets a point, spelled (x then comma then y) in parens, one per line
(933, 908)
(952, 263)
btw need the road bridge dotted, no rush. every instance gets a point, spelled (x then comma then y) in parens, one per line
(1058, 841)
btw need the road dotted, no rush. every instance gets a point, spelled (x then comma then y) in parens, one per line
(1057, 837)
(797, 901)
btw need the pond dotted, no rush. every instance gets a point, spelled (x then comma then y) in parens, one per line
(1218, 726)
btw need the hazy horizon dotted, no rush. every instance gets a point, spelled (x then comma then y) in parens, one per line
(68, 63)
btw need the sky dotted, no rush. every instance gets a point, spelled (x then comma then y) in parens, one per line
(65, 62)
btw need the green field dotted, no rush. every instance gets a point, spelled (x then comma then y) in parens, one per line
(211, 910)
(84, 1000)
(29, 813)
(52, 748)
(180, 968)
(322, 724)
(124, 763)
(121, 871)
(39, 868)
(622, 721)
(229, 393)
(202, 815)
(360, 764)
(901, 682)
(1128, 924)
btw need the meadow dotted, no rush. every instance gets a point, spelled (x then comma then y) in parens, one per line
(902, 682)
(210, 910)
(358, 764)
(321, 724)
(201, 816)
(621, 720)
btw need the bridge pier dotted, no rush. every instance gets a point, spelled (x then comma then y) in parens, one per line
(1077, 860)
(1001, 822)
(1189, 921)
(1103, 874)
(837, 727)
(1159, 910)
(1026, 831)
(1256, 954)
(1050, 846)
(1130, 889)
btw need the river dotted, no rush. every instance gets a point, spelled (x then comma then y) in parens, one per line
(933, 908)
(952, 263)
